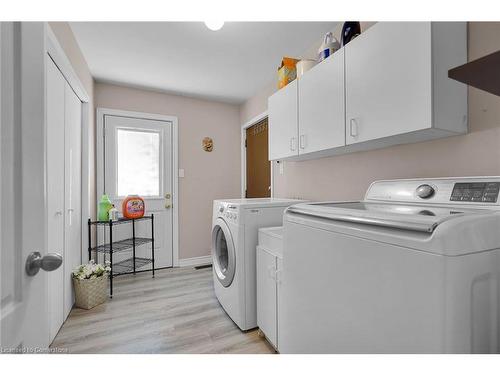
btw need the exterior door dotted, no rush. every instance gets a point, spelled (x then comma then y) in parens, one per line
(257, 159)
(23, 305)
(138, 161)
(223, 254)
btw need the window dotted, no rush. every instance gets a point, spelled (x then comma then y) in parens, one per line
(138, 162)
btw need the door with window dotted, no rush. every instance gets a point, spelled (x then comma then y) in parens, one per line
(138, 157)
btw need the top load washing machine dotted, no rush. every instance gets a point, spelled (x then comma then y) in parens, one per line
(414, 268)
(234, 238)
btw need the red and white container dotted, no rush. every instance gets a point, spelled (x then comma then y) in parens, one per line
(133, 207)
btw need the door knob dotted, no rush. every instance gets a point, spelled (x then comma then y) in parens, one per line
(49, 262)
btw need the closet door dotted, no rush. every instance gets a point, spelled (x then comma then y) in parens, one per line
(55, 191)
(72, 168)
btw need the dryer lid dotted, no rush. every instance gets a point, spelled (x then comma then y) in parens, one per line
(413, 217)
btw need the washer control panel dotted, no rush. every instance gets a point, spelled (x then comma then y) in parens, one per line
(425, 191)
(229, 213)
(475, 192)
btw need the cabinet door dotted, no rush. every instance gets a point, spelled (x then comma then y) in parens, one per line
(388, 81)
(279, 312)
(283, 130)
(266, 294)
(321, 106)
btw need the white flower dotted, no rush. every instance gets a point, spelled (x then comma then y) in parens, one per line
(91, 270)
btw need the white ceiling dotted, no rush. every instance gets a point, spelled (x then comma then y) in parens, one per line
(186, 58)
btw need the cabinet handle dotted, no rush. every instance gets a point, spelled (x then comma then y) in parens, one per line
(302, 141)
(353, 128)
(292, 144)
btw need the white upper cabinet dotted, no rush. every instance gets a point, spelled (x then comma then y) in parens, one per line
(283, 133)
(321, 106)
(397, 82)
(388, 81)
(388, 86)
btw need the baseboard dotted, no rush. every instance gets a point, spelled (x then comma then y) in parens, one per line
(196, 261)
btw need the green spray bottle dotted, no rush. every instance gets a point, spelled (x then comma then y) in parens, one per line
(104, 206)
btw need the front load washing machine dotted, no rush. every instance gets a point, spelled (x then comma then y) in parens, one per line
(234, 238)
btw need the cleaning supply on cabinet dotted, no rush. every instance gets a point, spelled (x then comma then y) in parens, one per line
(304, 65)
(104, 206)
(329, 46)
(133, 207)
(350, 30)
(113, 214)
(287, 72)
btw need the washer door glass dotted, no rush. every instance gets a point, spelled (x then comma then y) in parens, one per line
(223, 255)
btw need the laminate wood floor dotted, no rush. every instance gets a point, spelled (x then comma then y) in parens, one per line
(176, 312)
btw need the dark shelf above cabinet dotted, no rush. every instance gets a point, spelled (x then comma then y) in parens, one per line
(483, 73)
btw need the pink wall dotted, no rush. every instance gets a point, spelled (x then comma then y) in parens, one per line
(208, 175)
(348, 176)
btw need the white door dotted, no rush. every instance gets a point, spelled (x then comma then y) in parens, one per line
(73, 191)
(138, 156)
(63, 190)
(388, 81)
(321, 106)
(55, 190)
(283, 129)
(23, 308)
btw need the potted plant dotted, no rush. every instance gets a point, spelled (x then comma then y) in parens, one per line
(89, 281)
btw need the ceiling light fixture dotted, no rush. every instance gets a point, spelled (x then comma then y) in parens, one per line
(214, 25)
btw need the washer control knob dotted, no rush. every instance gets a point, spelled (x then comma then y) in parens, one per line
(425, 191)
(221, 209)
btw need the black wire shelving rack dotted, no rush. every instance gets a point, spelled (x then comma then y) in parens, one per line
(128, 265)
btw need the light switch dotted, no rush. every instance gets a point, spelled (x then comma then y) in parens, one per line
(181, 173)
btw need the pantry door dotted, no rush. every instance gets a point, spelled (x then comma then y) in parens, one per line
(138, 158)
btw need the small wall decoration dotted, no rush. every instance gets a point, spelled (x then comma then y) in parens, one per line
(208, 144)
